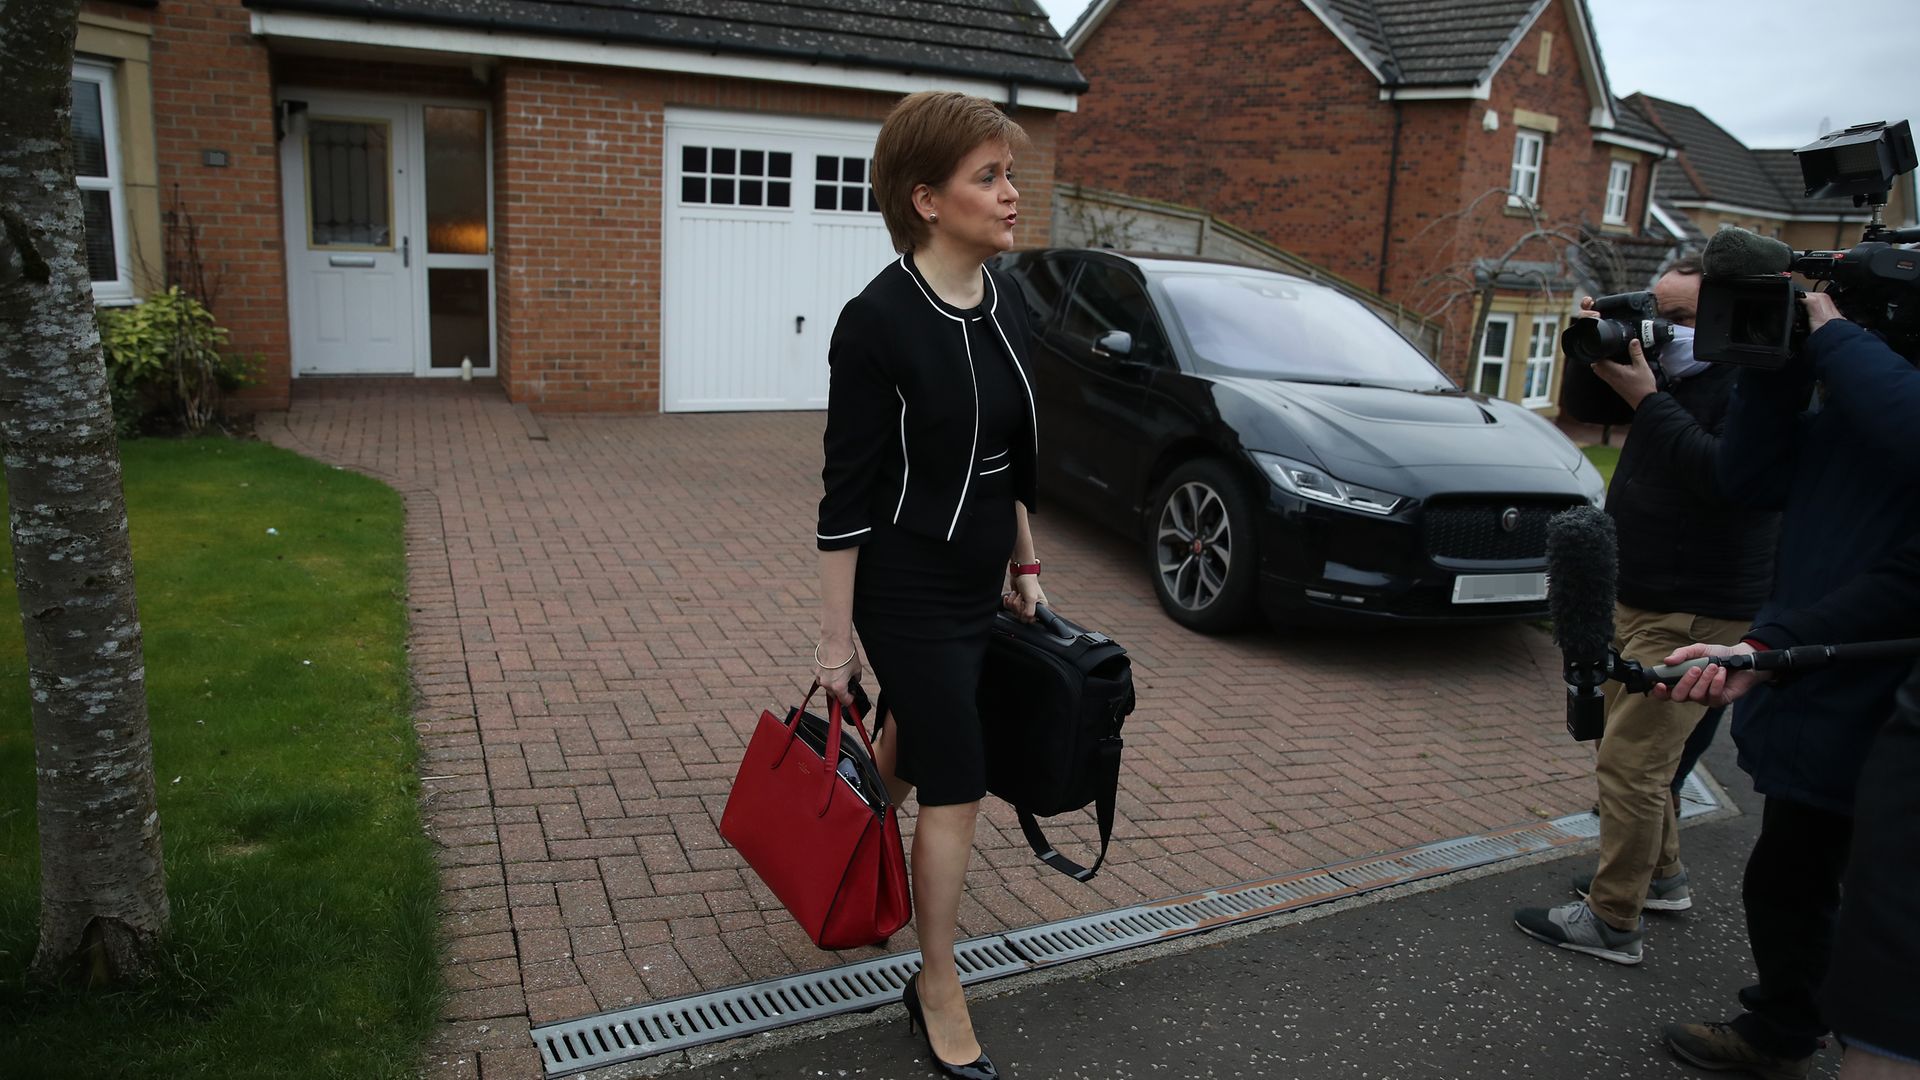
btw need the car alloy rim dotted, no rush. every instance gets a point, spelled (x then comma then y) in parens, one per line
(1195, 546)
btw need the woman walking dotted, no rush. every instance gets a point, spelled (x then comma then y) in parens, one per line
(930, 451)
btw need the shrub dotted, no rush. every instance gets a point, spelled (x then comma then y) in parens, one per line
(165, 355)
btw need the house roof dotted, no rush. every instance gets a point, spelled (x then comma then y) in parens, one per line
(1432, 44)
(1405, 43)
(1716, 167)
(1630, 121)
(998, 40)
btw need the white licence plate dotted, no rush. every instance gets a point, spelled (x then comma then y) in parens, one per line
(1499, 588)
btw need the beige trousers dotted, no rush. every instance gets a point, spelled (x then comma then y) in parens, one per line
(1639, 832)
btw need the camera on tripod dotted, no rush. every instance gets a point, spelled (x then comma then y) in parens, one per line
(1750, 311)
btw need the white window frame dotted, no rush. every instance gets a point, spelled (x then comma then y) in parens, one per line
(1523, 180)
(120, 290)
(1540, 348)
(1485, 359)
(1619, 191)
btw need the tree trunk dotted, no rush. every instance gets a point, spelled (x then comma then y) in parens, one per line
(1482, 309)
(103, 900)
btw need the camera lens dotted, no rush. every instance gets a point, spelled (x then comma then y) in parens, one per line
(1590, 340)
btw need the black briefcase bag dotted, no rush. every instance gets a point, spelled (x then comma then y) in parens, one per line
(1053, 696)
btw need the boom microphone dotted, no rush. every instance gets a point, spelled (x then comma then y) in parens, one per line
(1735, 252)
(1582, 565)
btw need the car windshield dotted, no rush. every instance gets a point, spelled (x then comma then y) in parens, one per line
(1270, 327)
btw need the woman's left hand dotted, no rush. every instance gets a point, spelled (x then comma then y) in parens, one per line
(1025, 598)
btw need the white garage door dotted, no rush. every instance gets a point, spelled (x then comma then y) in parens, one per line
(769, 229)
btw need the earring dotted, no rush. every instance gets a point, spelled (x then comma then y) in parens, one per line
(934, 218)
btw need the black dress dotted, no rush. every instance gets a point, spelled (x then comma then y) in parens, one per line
(924, 606)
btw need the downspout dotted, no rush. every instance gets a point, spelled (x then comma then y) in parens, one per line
(1393, 184)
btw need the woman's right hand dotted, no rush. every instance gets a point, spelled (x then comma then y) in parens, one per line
(836, 681)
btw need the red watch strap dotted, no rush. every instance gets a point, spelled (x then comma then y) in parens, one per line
(1024, 569)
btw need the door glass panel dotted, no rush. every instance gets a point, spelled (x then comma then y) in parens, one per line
(98, 208)
(724, 176)
(457, 317)
(349, 183)
(1107, 298)
(89, 130)
(456, 181)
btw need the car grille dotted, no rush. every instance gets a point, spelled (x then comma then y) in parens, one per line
(1472, 531)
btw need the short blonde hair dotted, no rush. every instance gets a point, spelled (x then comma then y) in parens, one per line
(925, 138)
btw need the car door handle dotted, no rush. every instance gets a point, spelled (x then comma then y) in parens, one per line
(350, 260)
(798, 322)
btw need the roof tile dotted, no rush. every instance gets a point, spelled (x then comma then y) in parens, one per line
(999, 40)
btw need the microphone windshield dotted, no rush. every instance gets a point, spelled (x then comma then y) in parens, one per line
(1735, 252)
(1582, 565)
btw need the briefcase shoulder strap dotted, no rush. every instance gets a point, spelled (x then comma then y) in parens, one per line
(1108, 754)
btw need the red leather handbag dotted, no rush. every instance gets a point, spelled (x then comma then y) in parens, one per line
(810, 814)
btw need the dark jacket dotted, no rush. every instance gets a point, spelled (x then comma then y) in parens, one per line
(1848, 478)
(1879, 605)
(1683, 545)
(903, 409)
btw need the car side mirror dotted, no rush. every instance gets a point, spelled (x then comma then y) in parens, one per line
(1113, 343)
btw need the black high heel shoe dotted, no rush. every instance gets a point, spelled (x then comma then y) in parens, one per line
(979, 1068)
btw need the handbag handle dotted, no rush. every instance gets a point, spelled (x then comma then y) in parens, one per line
(837, 715)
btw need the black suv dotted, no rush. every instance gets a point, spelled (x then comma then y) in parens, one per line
(1275, 445)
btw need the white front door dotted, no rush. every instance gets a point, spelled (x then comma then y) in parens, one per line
(389, 235)
(769, 230)
(350, 280)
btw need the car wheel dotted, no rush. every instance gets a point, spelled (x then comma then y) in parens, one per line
(1201, 549)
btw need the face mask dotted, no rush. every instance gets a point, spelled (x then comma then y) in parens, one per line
(1676, 356)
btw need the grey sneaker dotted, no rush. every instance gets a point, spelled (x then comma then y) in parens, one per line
(1574, 926)
(1719, 1046)
(1663, 893)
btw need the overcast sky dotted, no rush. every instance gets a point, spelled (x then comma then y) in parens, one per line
(1772, 72)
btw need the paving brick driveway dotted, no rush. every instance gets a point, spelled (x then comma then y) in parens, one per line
(598, 619)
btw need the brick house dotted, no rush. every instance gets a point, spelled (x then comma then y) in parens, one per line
(1717, 181)
(1358, 133)
(608, 207)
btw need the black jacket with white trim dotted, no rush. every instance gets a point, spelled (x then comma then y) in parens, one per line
(903, 408)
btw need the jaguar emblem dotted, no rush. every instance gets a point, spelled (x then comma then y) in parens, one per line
(1510, 519)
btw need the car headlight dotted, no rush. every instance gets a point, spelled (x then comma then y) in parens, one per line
(1312, 482)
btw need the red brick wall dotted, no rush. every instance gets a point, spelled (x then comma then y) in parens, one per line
(577, 198)
(1258, 114)
(212, 91)
(1252, 111)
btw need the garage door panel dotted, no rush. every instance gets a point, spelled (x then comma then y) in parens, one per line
(728, 346)
(768, 221)
(847, 253)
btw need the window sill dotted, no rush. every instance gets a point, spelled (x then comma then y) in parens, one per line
(113, 300)
(1520, 210)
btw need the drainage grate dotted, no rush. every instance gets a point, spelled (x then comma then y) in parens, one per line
(682, 1023)
(592, 1042)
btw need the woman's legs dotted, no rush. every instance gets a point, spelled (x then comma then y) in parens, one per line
(942, 844)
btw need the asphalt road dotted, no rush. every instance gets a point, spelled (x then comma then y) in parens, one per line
(1430, 984)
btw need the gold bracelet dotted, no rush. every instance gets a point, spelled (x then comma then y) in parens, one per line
(822, 664)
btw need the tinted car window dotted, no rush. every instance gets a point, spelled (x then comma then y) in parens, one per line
(1043, 281)
(1268, 326)
(1108, 298)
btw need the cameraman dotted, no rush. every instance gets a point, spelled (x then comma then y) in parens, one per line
(1870, 997)
(1847, 475)
(1692, 568)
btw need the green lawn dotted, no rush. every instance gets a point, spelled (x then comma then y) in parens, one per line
(1604, 458)
(304, 928)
